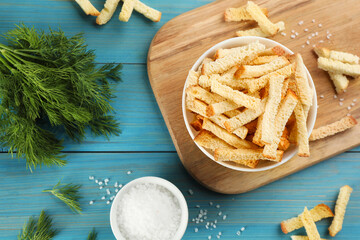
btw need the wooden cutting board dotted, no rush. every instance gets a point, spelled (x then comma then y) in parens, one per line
(181, 41)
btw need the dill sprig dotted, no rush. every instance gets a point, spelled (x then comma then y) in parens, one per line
(92, 235)
(50, 82)
(68, 193)
(40, 229)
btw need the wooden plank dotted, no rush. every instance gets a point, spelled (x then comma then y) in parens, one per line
(260, 211)
(182, 40)
(114, 42)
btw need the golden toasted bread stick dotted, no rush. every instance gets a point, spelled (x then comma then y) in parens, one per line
(220, 107)
(193, 78)
(235, 96)
(259, 132)
(284, 144)
(284, 113)
(285, 88)
(253, 71)
(239, 56)
(333, 128)
(264, 23)
(277, 50)
(341, 82)
(330, 65)
(206, 60)
(261, 82)
(337, 55)
(227, 137)
(319, 212)
(243, 154)
(107, 12)
(247, 161)
(297, 237)
(126, 10)
(220, 120)
(203, 95)
(258, 32)
(221, 52)
(87, 7)
(208, 140)
(340, 208)
(150, 13)
(263, 60)
(196, 106)
(302, 82)
(239, 14)
(309, 225)
(196, 123)
(302, 133)
(245, 117)
(271, 109)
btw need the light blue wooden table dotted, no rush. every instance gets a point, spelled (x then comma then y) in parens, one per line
(145, 147)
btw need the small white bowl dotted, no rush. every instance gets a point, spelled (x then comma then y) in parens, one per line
(188, 116)
(154, 180)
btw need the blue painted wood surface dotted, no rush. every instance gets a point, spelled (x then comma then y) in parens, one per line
(145, 147)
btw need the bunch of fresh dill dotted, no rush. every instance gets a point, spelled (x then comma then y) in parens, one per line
(49, 81)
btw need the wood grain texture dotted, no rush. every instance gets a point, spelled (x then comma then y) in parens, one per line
(182, 40)
(260, 211)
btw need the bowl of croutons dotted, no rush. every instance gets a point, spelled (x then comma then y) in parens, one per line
(249, 104)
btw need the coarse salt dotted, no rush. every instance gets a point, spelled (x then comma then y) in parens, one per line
(305, 30)
(321, 96)
(148, 212)
(301, 22)
(283, 33)
(292, 31)
(292, 36)
(313, 20)
(307, 42)
(320, 25)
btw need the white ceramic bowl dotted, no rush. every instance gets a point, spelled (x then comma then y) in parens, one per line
(188, 116)
(154, 180)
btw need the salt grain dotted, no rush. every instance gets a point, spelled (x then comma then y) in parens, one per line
(348, 114)
(354, 100)
(103, 198)
(209, 237)
(292, 31)
(284, 34)
(91, 177)
(224, 217)
(108, 191)
(196, 229)
(210, 203)
(292, 36)
(129, 172)
(320, 25)
(321, 41)
(100, 183)
(218, 206)
(313, 34)
(107, 202)
(101, 187)
(297, 34)
(348, 107)
(307, 42)
(148, 211)
(321, 96)
(242, 229)
(116, 190)
(313, 45)
(301, 22)
(238, 233)
(309, 37)
(305, 30)
(341, 99)
(352, 104)
(340, 103)
(313, 20)
(96, 181)
(302, 46)
(335, 96)
(91, 202)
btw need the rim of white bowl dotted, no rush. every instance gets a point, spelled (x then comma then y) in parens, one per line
(161, 182)
(209, 53)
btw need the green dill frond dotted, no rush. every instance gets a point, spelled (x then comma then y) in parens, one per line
(40, 229)
(68, 193)
(52, 79)
(92, 235)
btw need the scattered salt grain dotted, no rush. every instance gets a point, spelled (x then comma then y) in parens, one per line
(91, 177)
(210, 203)
(219, 233)
(348, 107)
(307, 42)
(220, 213)
(209, 237)
(335, 96)
(191, 192)
(91, 202)
(313, 34)
(321, 41)
(197, 206)
(341, 99)
(112, 198)
(129, 172)
(224, 217)
(313, 20)
(100, 183)
(148, 211)
(108, 191)
(301, 22)
(101, 187)
(316, 33)
(309, 37)
(196, 229)
(296, 33)
(217, 206)
(314, 45)
(320, 25)
(116, 184)
(352, 104)
(238, 233)
(96, 181)
(341, 103)
(120, 185)
(116, 190)
(103, 198)
(327, 31)
(354, 100)
(344, 91)
(348, 114)
(283, 33)
(242, 229)
(215, 221)
(303, 46)
(293, 31)
(214, 226)
(107, 202)
(292, 36)
(305, 30)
